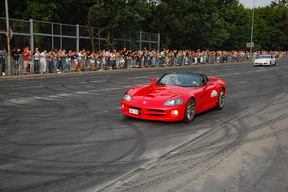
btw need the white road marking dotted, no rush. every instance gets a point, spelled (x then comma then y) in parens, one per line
(141, 77)
(98, 81)
(60, 95)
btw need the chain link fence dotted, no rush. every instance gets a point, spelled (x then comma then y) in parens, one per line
(48, 35)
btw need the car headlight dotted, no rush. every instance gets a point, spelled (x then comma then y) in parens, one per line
(178, 101)
(127, 97)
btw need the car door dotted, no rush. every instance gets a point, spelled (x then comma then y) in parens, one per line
(209, 94)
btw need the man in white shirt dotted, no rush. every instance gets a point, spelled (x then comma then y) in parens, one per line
(43, 61)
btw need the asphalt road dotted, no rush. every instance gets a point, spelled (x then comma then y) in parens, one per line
(66, 133)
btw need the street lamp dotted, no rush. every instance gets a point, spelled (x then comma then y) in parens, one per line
(252, 26)
(8, 40)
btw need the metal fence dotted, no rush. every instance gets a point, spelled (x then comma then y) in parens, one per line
(48, 35)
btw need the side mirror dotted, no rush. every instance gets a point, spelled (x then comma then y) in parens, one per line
(209, 83)
(153, 80)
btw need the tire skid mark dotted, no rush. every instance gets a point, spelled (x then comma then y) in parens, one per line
(61, 109)
(276, 132)
(73, 172)
(226, 141)
(139, 142)
(269, 169)
(206, 154)
(171, 172)
(263, 124)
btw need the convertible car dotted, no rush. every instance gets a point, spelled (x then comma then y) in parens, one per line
(263, 60)
(174, 97)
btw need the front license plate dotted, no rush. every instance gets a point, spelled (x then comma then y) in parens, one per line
(134, 111)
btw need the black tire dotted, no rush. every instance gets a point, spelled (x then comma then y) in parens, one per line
(221, 100)
(189, 111)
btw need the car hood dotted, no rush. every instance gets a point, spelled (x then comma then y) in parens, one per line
(263, 59)
(159, 92)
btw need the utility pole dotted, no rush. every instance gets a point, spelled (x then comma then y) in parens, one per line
(8, 41)
(252, 28)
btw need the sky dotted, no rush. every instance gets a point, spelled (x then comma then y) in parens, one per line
(258, 3)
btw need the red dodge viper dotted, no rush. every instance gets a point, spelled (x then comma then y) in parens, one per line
(174, 97)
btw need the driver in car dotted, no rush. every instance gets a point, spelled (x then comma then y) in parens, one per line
(173, 80)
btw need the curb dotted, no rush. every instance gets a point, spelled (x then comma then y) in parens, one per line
(47, 75)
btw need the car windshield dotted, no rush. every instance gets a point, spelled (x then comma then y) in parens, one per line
(265, 57)
(182, 80)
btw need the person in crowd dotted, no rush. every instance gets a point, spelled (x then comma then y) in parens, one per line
(80, 60)
(69, 61)
(113, 55)
(55, 60)
(16, 60)
(50, 61)
(63, 59)
(90, 61)
(117, 59)
(74, 61)
(43, 61)
(129, 59)
(37, 61)
(97, 60)
(59, 61)
(3, 55)
(122, 62)
(145, 58)
(27, 61)
(35, 67)
(84, 65)
(139, 60)
(133, 59)
(107, 58)
(102, 60)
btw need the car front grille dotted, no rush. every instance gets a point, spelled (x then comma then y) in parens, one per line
(156, 112)
(150, 112)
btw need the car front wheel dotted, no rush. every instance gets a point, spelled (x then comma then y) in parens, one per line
(221, 100)
(189, 111)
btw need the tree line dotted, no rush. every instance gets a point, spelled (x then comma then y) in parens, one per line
(183, 24)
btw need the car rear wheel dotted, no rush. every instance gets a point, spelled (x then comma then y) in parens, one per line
(221, 100)
(189, 111)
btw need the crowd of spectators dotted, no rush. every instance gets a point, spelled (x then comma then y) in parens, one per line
(59, 61)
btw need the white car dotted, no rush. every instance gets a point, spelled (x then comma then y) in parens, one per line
(265, 60)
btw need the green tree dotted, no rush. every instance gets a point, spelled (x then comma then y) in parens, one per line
(15, 8)
(121, 15)
(236, 23)
(271, 27)
(194, 24)
(43, 10)
(183, 24)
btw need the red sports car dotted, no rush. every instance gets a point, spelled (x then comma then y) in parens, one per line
(174, 97)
